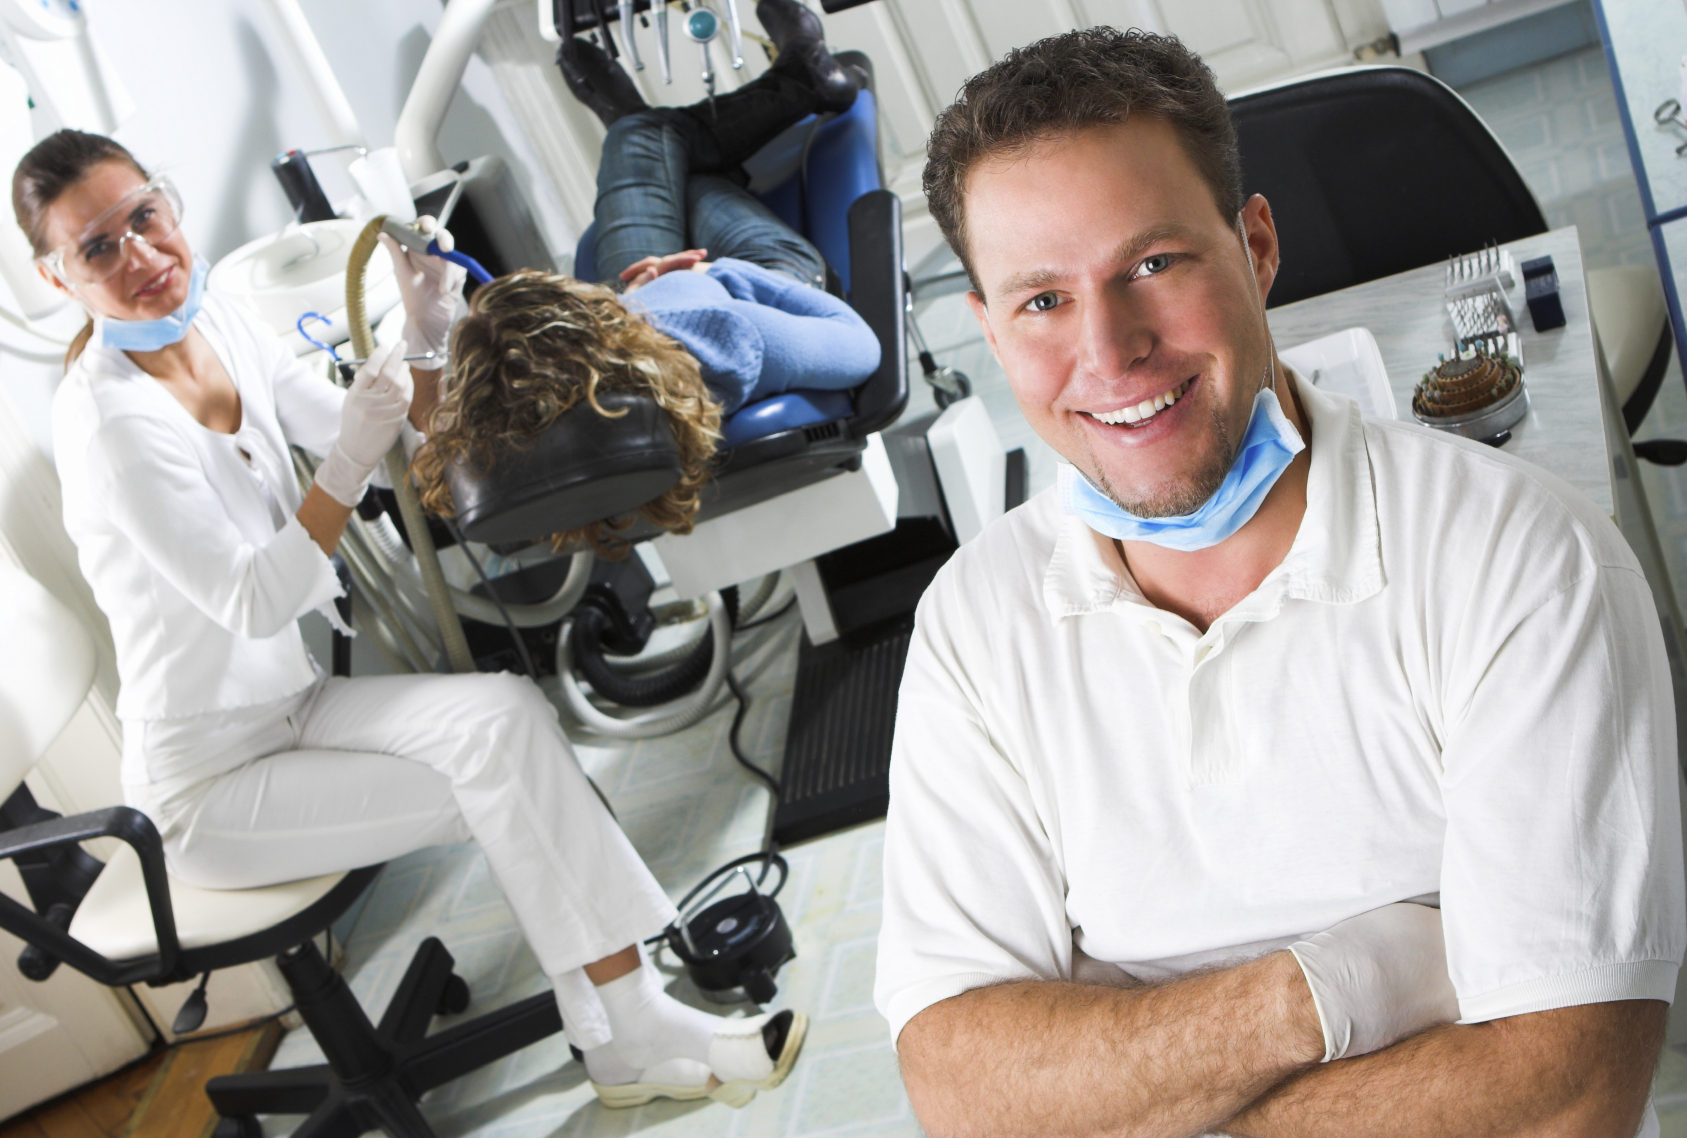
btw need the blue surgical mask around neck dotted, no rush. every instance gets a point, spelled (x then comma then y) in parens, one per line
(151, 335)
(1268, 446)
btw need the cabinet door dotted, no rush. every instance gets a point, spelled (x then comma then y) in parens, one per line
(58, 1034)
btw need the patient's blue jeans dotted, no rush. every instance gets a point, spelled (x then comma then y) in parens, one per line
(667, 183)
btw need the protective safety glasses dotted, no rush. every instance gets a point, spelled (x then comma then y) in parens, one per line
(148, 214)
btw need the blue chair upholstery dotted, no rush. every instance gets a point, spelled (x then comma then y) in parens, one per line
(842, 165)
(783, 413)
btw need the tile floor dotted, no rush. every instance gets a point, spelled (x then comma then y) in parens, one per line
(687, 806)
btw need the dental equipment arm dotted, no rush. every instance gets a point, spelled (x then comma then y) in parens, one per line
(662, 59)
(625, 8)
(736, 31)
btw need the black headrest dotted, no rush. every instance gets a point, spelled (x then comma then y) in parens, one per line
(582, 469)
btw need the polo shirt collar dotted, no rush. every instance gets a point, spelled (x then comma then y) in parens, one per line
(1336, 557)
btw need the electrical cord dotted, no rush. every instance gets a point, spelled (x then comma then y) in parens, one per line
(732, 736)
(768, 619)
(515, 633)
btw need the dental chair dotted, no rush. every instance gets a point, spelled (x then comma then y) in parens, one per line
(127, 921)
(1371, 171)
(804, 482)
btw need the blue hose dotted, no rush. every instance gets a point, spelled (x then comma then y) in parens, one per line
(477, 272)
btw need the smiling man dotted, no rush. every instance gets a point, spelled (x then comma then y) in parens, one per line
(1281, 771)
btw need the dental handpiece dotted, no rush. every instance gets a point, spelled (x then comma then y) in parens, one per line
(662, 41)
(412, 238)
(736, 31)
(626, 9)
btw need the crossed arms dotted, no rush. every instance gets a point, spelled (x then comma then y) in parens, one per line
(1237, 1051)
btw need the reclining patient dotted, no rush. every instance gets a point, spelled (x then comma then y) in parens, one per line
(703, 339)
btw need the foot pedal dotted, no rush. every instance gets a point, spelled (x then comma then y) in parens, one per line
(836, 771)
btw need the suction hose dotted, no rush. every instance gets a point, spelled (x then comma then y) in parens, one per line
(398, 467)
(586, 644)
(661, 721)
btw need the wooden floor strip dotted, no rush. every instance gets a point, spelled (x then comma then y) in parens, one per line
(174, 1105)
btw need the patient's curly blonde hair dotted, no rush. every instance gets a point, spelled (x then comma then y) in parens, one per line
(532, 347)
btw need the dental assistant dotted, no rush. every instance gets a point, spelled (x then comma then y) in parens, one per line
(171, 432)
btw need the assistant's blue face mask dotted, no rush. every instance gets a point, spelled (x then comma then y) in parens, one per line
(1268, 446)
(151, 335)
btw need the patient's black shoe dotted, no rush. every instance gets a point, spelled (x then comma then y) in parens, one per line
(598, 81)
(801, 41)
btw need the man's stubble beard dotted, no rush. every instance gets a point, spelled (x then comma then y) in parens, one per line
(1185, 499)
(1176, 501)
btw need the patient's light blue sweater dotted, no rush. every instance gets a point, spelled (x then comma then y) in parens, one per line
(758, 333)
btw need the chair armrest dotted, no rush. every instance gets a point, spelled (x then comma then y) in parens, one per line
(877, 292)
(134, 829)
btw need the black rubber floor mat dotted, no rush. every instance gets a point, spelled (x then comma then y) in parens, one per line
(837, 752)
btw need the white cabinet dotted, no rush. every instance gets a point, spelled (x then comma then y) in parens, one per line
(1421, 24)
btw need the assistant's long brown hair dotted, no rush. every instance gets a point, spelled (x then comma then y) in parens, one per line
(533, 346)
(51, 167)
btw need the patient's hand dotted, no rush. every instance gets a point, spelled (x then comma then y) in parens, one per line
(643, 272)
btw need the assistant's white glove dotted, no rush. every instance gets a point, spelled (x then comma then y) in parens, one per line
(376, 403)
(1378, 977)
(432, 288)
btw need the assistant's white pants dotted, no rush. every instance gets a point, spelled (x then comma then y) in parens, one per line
(352, 772)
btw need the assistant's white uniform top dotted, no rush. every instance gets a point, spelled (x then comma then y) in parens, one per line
(188, 535)
(1454, 683)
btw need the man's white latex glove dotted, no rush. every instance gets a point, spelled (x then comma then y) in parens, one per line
(376, 405)
(1378, 977)
(432, 288)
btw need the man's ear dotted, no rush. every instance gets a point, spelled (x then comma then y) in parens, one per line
(1260, 230)
(982, 315)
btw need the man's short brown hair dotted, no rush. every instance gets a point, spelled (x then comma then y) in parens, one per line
(1066, 83)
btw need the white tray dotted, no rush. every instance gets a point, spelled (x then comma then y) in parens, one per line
(1348, 363)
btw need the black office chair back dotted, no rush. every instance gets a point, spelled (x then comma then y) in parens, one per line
(1374, 171)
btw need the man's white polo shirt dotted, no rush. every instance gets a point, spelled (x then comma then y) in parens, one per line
(1454, 684)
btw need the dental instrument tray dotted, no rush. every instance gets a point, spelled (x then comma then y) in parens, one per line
(1477, 393)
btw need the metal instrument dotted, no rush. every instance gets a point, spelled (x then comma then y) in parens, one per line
(625, 7)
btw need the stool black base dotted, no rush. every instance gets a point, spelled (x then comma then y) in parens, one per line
(375, 1075)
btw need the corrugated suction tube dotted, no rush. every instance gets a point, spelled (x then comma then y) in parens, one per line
(398, 467)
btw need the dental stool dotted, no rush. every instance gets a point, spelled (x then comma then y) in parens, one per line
(1371, 171)
(127, 921)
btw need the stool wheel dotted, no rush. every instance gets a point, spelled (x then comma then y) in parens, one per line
(453, 1001)
(238, 1126)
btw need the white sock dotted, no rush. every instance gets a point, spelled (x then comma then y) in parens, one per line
(649, 1025)
(606, 1067)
